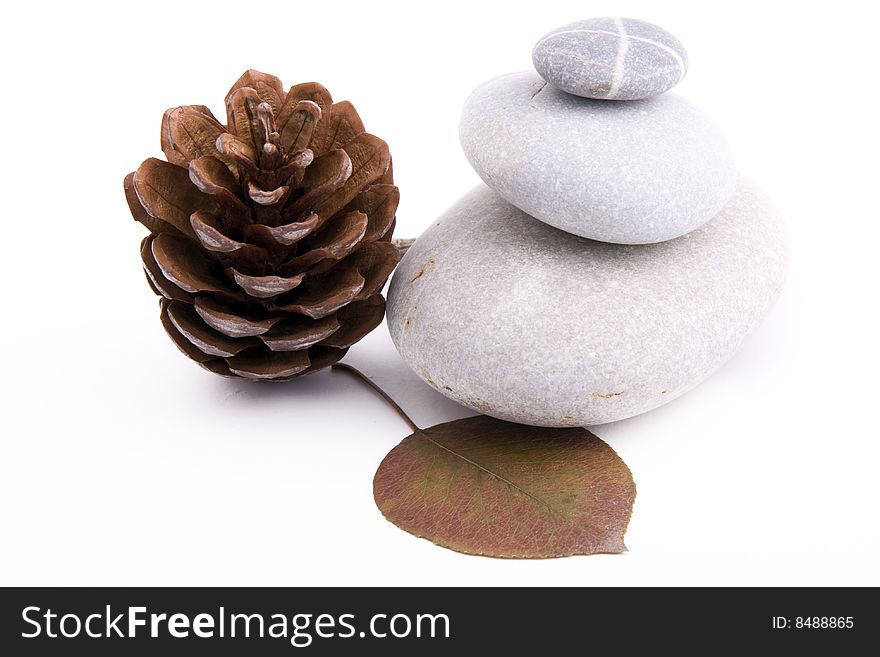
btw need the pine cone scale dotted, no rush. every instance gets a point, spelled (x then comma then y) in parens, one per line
(356, 320)
(182, 343)
(296, 334)
(280, 365)
(323, 295)
(166, 193)
(369, 160)
(208, 230)
(278, 237)
(211, 342)
(223, 319)
(156, 278)
(268, 87)
(299, 128)
(265, 287)
(379, 203)
(188, 133)
(343, 126)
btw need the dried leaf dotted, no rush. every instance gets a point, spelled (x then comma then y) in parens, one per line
(494, 488)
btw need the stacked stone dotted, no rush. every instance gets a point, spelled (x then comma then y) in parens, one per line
(613, 259)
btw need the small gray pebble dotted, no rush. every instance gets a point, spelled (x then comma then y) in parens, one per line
(526, 323)
(611, 59)
(631, 173)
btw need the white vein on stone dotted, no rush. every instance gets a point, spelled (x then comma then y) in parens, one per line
(622, 48)
(669, 51)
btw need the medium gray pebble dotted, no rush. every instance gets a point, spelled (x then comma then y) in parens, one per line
(631, 173)
(526, 323)
(611, 59)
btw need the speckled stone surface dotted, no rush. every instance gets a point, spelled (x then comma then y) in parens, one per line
(524, 322)
(631, 173)
(611, 59)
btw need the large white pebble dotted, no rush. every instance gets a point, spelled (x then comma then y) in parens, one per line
(632, 172)
(524, 322)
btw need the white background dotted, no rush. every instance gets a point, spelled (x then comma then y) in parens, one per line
(124, 463)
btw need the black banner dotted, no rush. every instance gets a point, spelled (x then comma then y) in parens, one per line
(339, 621)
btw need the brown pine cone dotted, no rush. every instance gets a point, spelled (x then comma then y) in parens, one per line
(270, 236)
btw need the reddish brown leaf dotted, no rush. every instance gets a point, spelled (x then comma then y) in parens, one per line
(488, 487)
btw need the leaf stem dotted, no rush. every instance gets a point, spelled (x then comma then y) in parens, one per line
(384, 395)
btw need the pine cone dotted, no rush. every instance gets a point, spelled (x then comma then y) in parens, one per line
(269, 237)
